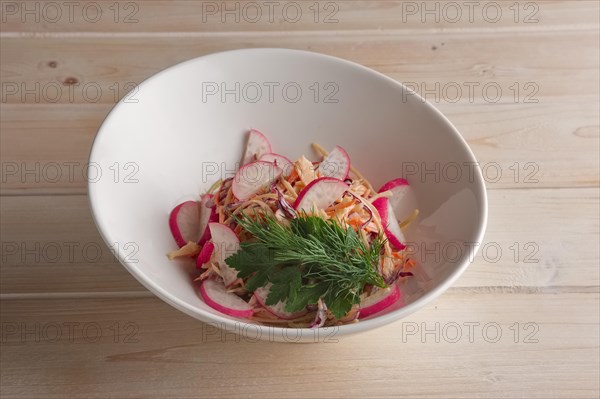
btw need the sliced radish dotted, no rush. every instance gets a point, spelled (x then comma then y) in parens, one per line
(216, 296)
(336, 164)
(257, 146)
(226, 244)
(379, 301)
(284, 163)
(403, 199)
(394, 184)
(253, 177)
(207, 215)
(278, 310)
(205, 254)
(390, 223)
(184, 223)
(320, 193)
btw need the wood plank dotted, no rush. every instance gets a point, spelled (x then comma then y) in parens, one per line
(289, 16)
(86, 70)
(533, 145)
(161, 352)
(529, 227)
(518, 145)
(43, 154)
(50, 244)
(545, 285)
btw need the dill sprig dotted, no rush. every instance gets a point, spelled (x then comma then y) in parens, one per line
(308, 259)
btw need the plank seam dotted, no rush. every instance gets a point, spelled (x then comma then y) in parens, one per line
(299, 33)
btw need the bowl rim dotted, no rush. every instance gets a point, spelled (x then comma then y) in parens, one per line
(346, 329)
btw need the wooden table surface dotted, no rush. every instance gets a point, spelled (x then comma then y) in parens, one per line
(520, 80)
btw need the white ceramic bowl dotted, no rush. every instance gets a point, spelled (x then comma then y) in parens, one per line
(184, 127)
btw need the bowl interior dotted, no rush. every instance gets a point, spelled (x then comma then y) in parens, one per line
(184, 128)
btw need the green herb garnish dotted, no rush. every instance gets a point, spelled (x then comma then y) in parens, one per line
(311, 258)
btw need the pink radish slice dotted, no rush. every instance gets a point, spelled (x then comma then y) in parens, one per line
(226, 244)
(379, 301)
(393, 184)
(216, 296)
(184, 223)
(257, 146)
(321, 193)
(403, 199)
(336, 164)
(278, 310)
(390, 223)
(205, 254)
(282, 162)
(253, 177)
(207, 215)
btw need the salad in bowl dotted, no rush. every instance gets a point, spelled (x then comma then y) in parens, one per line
(302, 243)
(282, 242)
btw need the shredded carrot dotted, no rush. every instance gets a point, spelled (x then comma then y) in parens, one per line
(355, 222)
(238, 229)
(293, 176)
(221, 214)
(189, 249)
(343, 205)
(288, 187)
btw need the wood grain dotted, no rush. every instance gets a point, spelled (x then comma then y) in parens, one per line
(159, 352)
(127, 343)
(301, 16)
(56, 152)
(38, 258)
(499, 68)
